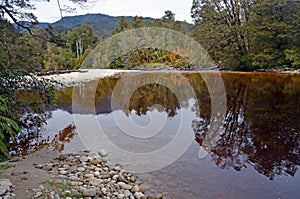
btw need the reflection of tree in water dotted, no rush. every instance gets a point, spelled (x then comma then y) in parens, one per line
(63, 137)
(153, 94)
(32, 115)
(261, 126)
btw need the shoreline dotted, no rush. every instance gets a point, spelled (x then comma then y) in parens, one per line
(74, 78)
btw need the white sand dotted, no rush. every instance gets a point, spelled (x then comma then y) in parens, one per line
(85, 75)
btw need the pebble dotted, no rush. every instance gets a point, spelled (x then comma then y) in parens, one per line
(103, 153)
(89, 175)
(127, 193)
(136, 188)
(84, 159)
(124, 186)
(118, 168)
(80, 169)
(96, 182)
(132, 179)
(121, 196)
(38, 166)
(63, 172)
(96, 173)
(92, 177)
(47, 167)
(90, 192)
(95, 161)
(121, 179)
(138, 195)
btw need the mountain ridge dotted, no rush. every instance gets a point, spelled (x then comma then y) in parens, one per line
(102, 24)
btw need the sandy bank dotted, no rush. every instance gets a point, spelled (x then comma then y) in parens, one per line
(85, 75)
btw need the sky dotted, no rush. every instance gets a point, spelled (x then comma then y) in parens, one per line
(49, 12)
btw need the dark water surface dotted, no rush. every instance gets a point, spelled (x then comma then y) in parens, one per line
(254, 152)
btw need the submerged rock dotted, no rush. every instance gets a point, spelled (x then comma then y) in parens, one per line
(103, 153)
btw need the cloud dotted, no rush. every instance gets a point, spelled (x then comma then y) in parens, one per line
(49, 12)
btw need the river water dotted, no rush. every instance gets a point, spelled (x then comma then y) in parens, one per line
(190, 135)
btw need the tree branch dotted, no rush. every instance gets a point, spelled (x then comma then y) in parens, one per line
(8, 12)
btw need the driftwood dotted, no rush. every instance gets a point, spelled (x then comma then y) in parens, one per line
(60, 72)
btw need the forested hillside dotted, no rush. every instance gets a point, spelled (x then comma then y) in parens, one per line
(102, 25)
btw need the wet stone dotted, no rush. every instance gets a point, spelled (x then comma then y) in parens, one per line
(103, 153)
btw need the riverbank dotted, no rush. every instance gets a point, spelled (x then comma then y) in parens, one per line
(47, 174)
(73, 78)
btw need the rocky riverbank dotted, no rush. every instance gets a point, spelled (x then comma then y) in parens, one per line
(80, 175)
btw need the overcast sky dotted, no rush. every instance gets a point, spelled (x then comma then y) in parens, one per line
(49, 12)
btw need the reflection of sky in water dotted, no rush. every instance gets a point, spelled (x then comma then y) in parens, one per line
(203, 173)
(191, 177)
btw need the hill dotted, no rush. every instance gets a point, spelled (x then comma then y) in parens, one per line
(102, 24)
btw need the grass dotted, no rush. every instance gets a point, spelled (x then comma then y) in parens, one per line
(60, 188)
(5, 166)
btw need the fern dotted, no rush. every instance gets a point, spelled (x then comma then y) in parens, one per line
(8, 127)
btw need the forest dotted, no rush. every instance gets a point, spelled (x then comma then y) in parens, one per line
(240, 35)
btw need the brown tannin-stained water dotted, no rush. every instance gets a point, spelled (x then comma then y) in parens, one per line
(255, 152)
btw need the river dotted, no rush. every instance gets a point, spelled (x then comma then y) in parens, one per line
(196, 135)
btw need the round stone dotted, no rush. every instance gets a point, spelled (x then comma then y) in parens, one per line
(80, 169)
(127, 193)
(124, 186)
(62, 172)
(103, 153)
(138, 195)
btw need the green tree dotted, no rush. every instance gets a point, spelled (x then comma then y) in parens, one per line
(220, 27)
(137, 22)
(169, 15)
(245, 35)
(123, 25)
(80, 40)
(275, 27)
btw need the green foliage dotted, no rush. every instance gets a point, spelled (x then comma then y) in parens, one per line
(293, 56)
(150, 56)
(245, 35)
(22, 59)
(8, 127)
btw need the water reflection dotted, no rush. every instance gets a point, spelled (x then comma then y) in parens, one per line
(260, 134)
(261, 127)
